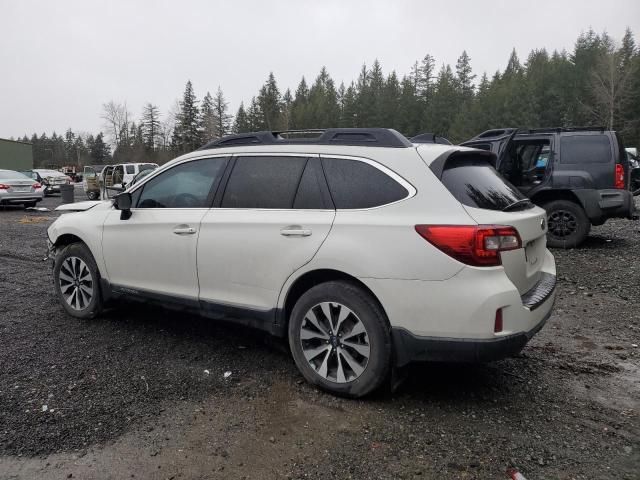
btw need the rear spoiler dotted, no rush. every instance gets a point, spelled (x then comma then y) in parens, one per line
(438, 165)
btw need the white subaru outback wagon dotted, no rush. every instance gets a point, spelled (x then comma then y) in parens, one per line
(367, 251)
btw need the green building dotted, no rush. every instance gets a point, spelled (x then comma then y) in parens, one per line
(15, 155)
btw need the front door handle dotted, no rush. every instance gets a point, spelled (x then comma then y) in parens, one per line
(184, 230)
(295, 231)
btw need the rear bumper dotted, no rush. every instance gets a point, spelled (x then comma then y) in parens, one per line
(20, 198)
(536, 303)
(610, 203)
(410, 348)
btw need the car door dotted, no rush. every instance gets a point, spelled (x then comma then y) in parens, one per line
(154, 251)
(271, 219)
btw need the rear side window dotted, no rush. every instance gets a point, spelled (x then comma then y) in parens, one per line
(356, 184)
(264, 182)
(312, 191)
(131, 169)
(585, 149)
(475, 183)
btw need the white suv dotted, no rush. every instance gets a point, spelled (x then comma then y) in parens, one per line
(368, 252)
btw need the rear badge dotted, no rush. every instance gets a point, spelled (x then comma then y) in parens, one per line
(543, 223)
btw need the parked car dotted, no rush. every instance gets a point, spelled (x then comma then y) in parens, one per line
(366, 251)
(580, 176)
(123, 173)
(91, 181)
(51, 179)
(634, 173)
(139, 176)
(16, 188)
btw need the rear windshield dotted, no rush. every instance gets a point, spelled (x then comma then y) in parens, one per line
(475, 183)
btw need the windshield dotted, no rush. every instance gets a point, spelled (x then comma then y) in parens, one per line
(11, 175)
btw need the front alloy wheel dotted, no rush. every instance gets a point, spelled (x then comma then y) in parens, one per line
(76, 280)
(76, 283)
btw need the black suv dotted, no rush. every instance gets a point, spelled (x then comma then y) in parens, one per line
(580, 176)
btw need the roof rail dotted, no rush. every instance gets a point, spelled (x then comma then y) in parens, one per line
(429, 138)
(564, 129)
(363, 137)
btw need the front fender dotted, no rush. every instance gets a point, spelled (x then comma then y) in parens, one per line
(84, 226)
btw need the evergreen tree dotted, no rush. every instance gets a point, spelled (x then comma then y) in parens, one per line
(187, 135)
(255, 117)
(300, 107)
(221, 115)
(99, 150)
(323, 101)
(241, 124)
(269, 104)
(150, 124)
(208, 120)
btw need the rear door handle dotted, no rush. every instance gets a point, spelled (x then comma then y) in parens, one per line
(295, 231)
(184, 230)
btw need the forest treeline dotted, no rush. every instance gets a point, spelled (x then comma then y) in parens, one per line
(597, 83)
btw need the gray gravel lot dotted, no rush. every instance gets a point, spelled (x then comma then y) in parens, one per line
(128, 395)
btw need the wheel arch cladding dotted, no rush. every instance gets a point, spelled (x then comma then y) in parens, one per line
(67, 239)
(309, 280)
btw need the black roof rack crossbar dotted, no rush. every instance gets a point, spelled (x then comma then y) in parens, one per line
(371, 137)
(563, 129)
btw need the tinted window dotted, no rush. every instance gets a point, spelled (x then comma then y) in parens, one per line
(131, 168)
(585, 149)
(355, 184)
(263, 182)
(185, 186)
(475, 183)
(312, 191)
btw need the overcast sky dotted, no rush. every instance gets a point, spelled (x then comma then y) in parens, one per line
(61, 60)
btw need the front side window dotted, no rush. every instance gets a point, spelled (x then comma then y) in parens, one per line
(355, 184)
(188, 185)
(264, 182)
(585, 149)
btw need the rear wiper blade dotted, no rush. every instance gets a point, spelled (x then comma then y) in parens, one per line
(515, 204)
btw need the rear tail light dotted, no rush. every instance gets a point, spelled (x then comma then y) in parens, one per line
(4, 186)
(476, 245)
(36, 185)
(619, 183)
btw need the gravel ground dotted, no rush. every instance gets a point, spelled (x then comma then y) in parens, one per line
(141, 392)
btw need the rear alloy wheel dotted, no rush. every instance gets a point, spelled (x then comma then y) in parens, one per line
(93, 195)
(568, 225)
(340, 339)
(76, 281)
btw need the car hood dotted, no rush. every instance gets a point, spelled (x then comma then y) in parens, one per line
(80, 206)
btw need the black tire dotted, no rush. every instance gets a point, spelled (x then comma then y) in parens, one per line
(86, 309)
(567, 222)
(93, 195)
(29, 204)
(369, 313)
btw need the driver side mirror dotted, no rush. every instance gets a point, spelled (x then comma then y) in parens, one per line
(122, 202)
